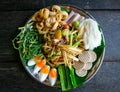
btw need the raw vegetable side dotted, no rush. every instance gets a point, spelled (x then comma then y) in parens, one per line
(55, 42)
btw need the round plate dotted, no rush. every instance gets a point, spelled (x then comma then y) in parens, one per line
(96, 64)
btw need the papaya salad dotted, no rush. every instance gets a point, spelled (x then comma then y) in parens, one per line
(60, 46)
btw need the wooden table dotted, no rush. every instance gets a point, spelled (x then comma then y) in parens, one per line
(14, 13)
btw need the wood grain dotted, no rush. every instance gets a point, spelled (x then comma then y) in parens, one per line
(15, 13)
(109, 21)
(37, 4)
(13, 78)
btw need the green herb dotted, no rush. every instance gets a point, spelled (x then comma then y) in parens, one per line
(63, 9)
(99, 27)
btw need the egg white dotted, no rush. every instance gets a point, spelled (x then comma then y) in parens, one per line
(52, 81)
(31, 62)
(36, 69)
(42, 77)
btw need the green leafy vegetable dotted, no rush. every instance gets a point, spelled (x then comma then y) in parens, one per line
(61, 71)
(99, 28)
(69, 83)
(73, 79)
(63, 9)
(67, 77)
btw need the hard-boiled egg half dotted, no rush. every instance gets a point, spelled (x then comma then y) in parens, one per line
(53, 76)
(38, 66)
(43, 70)
(44, 73)
(33, 61)
(37, 62)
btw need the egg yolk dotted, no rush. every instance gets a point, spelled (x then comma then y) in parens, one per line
(45, 69)
(41, 63)
(36, 58)
(53, 73)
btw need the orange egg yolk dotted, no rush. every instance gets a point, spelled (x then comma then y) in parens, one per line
(41, 63)
(45, 69)
(53, 73)
(36, 58)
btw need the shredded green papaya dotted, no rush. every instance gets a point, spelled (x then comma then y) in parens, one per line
(28, 42)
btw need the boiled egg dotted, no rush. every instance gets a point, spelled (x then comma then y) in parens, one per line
(52, 76)
(33, 61)
(44, 73)
(38, 66)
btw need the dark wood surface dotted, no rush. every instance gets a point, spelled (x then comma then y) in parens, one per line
(14, 13)
(13, 78)
(37, 4)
